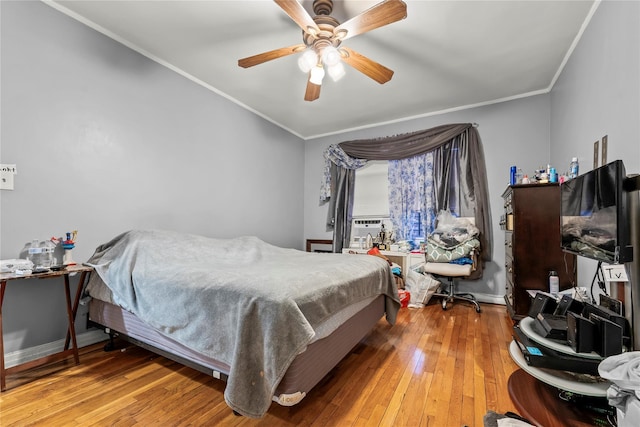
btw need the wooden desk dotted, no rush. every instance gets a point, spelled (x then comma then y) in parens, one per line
(72, 308)
(540, 404)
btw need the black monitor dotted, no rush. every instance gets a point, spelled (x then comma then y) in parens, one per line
(594, 214)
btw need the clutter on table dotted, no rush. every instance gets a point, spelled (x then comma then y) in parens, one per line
(544, 175)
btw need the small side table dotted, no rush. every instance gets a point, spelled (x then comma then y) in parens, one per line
(405, 260)
(72, 308)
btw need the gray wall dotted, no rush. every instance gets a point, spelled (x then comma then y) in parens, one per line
(598, 94)
(106, 140)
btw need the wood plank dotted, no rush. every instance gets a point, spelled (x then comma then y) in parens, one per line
(433, 368)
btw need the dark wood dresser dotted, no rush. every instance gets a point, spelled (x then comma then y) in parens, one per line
(531, 225)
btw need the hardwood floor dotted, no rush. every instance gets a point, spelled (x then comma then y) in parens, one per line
(433, 368)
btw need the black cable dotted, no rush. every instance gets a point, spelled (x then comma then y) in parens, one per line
(596, 275)
(602, 280)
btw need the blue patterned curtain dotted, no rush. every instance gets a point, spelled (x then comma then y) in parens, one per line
(411, 197)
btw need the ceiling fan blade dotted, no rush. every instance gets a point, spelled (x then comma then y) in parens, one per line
(383, 13)
(313, 91)
(268, 56)
(366, 66)
(299, 15)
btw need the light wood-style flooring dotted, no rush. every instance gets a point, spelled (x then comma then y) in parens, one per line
(433, 368)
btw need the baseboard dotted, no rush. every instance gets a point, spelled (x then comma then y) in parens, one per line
(19, 357)
(484, 298)
(490, 298)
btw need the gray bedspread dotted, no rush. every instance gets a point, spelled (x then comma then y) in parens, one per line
(242, 301)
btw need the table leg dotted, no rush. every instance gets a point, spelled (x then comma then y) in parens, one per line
(76, 302)
(72, 328)
(3, 373)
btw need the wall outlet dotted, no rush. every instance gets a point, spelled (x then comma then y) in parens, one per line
(6, 176)
(6, 180)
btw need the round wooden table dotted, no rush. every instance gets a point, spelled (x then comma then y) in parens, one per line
(541, 405)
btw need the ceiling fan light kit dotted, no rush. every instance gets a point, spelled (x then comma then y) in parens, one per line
(336, 71)
(330, 56)
(322, 36)
(316, 74)
(307, 61)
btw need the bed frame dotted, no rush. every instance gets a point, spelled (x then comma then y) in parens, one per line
(306, 370)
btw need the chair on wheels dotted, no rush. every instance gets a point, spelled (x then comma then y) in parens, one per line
(453, 238)
(451, 272)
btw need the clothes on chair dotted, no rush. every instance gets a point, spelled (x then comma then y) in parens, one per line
(453, 239)
(451, 252)
(462, 261)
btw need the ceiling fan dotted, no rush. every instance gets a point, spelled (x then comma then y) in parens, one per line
(322, 36)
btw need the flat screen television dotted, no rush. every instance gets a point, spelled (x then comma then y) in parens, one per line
(594, 218)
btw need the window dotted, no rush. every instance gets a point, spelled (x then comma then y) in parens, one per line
(401, 190)
(371, 190)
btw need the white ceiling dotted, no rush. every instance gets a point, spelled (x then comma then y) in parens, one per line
(446, 55)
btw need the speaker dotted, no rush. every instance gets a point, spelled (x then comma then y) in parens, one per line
(608, 341)
(580, 333)
(555, 327)
(612, 304)
(605, 313)
(542, 303)
(568, 304)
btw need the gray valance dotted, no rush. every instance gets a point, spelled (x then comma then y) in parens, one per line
(462, 182)
(408, 144)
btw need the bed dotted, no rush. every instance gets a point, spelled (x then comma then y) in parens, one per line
(270, 321)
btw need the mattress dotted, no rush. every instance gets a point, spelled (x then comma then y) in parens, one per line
(307, 369)
(97, 289)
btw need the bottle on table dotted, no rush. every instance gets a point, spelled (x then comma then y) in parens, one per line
(574, 167)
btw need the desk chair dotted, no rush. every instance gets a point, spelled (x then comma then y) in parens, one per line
(451, 272)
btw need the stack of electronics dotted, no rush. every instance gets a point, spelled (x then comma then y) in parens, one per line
(596, 330)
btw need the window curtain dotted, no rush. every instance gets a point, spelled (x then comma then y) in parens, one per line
(341, 205)
(469, 168)
(411, 197)
(338, 185)
(453, 178)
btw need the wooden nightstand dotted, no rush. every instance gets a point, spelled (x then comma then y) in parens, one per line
(72, 308)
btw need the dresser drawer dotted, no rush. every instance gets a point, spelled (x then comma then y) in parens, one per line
(508, 244)
(508, 268)
(509, 293)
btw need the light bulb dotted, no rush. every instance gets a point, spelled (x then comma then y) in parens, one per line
(317, 74)
(330, 56)
(307, 61)
(336, 71)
